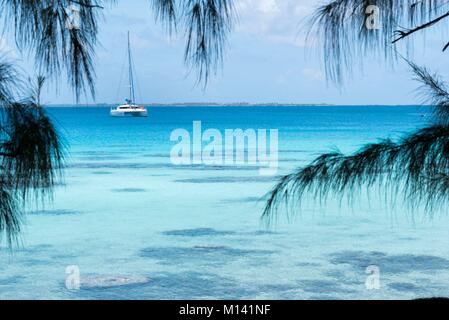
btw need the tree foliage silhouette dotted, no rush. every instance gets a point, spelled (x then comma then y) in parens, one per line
(416, 167)
(61, 37)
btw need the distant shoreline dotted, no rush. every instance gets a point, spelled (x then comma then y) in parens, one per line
(238, 104)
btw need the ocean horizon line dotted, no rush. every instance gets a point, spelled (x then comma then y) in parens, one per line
(216, 104)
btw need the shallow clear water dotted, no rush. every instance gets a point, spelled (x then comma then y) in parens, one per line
(195, 232)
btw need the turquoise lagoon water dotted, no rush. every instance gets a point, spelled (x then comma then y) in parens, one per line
(194, 232)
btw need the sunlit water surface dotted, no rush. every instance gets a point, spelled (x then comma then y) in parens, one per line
(138, 227)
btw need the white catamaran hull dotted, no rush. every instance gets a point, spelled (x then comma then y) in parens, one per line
(132, 113)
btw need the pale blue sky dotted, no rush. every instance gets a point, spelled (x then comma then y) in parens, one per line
(267, 61)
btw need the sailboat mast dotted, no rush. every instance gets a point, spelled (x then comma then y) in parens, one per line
(130, 73)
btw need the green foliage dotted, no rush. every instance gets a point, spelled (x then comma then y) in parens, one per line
(206, 24)
(341, 24)
(416, 167)
(63, 41)
(41, 28)
(31, 153)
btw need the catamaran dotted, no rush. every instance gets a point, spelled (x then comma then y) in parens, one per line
(130, 108)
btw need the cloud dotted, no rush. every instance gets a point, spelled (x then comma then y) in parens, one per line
(313, 74)
(268, 6)
(277, 21)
